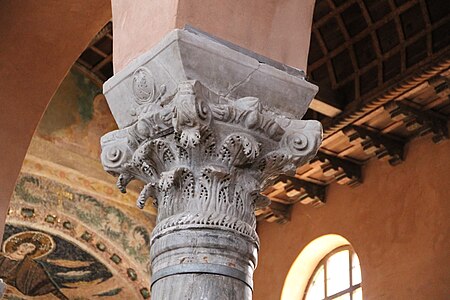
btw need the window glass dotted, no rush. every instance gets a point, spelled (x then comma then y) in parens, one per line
(343, 297)
(357, 294)
(316, 289)
(356, 269)
(337, 277)
(338, 272)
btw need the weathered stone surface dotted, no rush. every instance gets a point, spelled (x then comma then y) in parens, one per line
(201, 286)
(183, 56)
(206, 128)
(2, 288)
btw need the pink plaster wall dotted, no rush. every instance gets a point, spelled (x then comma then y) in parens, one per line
(278, 29)
(138, 25)
(397, 221)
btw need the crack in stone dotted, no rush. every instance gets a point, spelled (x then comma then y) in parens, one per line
(245, 80)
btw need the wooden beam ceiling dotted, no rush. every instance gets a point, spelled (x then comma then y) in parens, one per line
(383, 69)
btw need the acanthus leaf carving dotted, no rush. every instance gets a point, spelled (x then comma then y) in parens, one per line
(201, 156)
(169, 178)
(239, 149)
(248, 113)
(205, 149)
(148, 191)
(123, 180)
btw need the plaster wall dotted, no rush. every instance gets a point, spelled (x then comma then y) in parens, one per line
(280, 30)
(138, 25)
(397, 221)
(38, 44)
(76, 117)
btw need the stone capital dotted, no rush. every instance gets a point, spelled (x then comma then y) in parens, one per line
(225, 69)
(206, 127)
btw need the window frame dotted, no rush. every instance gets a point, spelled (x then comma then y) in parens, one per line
(323, 262)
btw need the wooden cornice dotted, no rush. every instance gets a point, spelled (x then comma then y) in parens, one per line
(416, 107)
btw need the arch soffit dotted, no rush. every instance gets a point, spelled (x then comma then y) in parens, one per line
(33, 88)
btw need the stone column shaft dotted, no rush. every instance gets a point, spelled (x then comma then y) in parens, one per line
(206, 126)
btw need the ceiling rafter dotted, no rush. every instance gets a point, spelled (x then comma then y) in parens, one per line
(367, 112)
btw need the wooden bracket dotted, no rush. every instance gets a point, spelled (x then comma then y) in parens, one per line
(344, 171)
(275, 213)
(303, 191)
(419, 122)
(376, 144)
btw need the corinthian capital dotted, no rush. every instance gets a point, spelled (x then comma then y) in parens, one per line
(206, 128)
(200, 152)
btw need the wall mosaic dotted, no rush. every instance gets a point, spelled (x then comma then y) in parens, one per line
(70, 234)
(36, 263)
(77, 116)
(73, 245)
(117, 224)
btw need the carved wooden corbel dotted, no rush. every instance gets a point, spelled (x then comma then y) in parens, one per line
(419, 122)
(376, 144)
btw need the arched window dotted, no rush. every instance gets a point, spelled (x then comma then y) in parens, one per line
(337, 276)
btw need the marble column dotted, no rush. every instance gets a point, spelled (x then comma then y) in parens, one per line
(206, 126)
(2, 288)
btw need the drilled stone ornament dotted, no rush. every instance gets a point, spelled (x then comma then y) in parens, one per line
(204, 156)
(204, 151)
